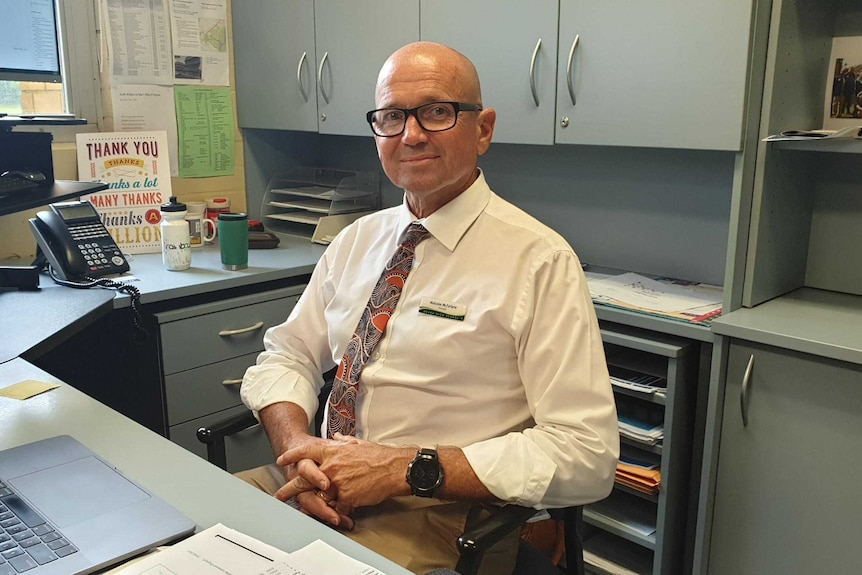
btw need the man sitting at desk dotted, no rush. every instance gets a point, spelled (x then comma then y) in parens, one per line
(489, 372)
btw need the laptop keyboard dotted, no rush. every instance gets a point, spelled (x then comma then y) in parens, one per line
(26, 539)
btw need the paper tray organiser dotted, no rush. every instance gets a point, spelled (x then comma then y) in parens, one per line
(317, 203)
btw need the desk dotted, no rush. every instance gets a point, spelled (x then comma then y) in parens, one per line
(202, 491)
(58, 191)
(41, 320)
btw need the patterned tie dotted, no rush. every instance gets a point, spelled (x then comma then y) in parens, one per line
(375, 316)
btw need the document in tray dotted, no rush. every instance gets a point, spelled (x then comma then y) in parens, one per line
(851, 132)
(659, 296)
(220, 550)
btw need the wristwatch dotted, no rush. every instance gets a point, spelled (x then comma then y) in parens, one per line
(424, 474)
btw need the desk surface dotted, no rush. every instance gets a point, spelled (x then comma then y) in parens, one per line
(60, 190)
(202, 491)
(292, 258)
(36, 321)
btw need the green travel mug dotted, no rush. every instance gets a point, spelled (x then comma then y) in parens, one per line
(233, 240)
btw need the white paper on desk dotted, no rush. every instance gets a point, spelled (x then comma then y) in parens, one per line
(318, 557)
(640, 291)
(218, 550)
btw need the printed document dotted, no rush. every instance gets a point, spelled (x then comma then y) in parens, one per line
(646, 293)
(221, 550)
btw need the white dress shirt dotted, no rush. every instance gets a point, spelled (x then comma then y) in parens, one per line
(493, 347)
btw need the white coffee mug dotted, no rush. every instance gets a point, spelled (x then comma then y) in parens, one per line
(201, 229)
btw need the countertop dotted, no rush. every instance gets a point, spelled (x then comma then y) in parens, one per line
(35, 321)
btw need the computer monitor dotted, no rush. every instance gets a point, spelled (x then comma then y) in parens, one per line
(29, 44)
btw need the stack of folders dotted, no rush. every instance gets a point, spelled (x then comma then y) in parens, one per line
(636, 471)
(641, 431)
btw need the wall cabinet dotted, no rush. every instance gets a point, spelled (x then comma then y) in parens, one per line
(646, 532)
(662, 74)
(786, 493)
(312, 65)
(275, 64)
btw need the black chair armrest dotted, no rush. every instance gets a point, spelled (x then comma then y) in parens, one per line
(481, 536)
(214, 435)
(573, 525)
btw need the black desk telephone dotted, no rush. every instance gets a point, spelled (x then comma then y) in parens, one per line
(76, 243)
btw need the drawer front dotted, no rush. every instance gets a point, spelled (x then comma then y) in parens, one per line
(204, 390)
(246, 449)
(221, 335)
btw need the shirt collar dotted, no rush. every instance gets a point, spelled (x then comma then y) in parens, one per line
(449, 224)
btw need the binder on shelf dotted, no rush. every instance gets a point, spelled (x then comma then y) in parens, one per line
(316, 203)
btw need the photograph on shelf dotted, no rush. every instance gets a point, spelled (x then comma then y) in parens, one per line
(843, 103)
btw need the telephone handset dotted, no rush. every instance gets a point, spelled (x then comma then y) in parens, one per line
(76, 243)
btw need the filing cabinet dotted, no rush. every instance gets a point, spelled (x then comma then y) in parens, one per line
(205, 350)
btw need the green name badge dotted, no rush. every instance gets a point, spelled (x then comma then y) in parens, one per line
(436, 307)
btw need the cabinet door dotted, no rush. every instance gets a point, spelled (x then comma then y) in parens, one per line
(663, 73)
(353, 39)
(274, 64)
(514, 50)
(787, 491)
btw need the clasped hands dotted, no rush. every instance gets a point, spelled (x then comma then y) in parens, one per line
(331, 478)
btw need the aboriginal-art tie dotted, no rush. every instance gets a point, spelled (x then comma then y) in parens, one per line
(384, 297)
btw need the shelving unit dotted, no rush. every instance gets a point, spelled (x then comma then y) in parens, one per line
(789, 360)
(316, 203)
(644, 531)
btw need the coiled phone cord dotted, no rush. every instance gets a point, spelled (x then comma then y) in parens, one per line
(140, 334)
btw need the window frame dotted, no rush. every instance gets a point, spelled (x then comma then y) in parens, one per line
(79, 48)
(79, 36)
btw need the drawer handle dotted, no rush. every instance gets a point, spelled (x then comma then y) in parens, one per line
(231, 381)
(744, 393)
(230, 332)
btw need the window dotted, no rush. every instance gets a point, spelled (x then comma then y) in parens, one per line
(79, 91)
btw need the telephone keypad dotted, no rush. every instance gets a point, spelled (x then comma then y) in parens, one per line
(88, 236)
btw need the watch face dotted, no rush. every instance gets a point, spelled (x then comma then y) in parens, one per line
(424, 474)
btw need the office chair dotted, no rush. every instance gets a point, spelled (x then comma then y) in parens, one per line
(478, 537)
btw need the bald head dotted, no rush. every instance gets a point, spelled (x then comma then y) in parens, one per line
(438, 62)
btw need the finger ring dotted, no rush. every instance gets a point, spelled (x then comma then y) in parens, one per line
(323, 496)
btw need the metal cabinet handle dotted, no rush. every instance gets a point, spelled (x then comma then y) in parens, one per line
(744, 393)
(230, 332)
(533, 71)
(569, 83)
(302, 90)
(320, 77)
(231, 381)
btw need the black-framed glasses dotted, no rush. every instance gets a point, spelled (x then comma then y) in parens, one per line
(432, 117)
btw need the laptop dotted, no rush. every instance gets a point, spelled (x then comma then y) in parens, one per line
(66, 511)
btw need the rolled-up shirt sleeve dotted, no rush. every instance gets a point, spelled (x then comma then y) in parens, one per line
(290, 368)
(569, 456)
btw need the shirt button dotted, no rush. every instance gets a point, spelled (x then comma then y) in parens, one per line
(376, 355)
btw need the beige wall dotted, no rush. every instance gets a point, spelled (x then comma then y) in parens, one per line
(16, 242)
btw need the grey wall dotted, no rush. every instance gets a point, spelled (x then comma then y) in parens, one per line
(654, 211)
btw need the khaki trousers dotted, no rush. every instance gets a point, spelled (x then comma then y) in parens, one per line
(417, 533)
